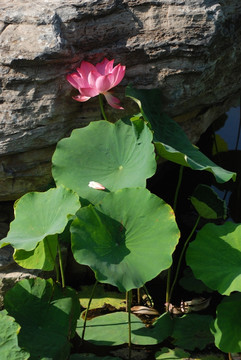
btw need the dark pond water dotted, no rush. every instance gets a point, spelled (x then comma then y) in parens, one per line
(230, 159)
(229, 131)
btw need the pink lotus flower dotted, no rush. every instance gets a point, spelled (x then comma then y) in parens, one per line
(95, 185)
(93, 80)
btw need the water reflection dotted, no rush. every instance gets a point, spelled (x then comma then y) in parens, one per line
(229, 157)
(229, 131)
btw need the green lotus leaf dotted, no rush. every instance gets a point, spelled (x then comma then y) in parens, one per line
(89, 356)
(168, 354)
(112, 330)
(114, 155)
(101, 297)
(215, 257)
(192, 331)
(207, 203)
(170, 140)
(9, 329)
(219, 145)
(47, 315)
(190, 283)
(177, 353)
(210, 357)
(39, 214)
(127, 239)
(227, 327)
(42, 257)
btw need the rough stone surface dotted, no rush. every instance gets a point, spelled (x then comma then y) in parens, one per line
(10, 272)
(188, 48)
(10, 276)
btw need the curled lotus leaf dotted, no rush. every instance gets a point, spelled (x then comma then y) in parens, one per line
(40, 214)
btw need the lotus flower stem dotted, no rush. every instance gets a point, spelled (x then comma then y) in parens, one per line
(57, 273)
(148, 295)
(181, 256)
(178, 187)
(61, 266)
(138, 296)
(102, 107)
(168, 295)
(168, 288)
(87, 309)
(128, 304)
(53, 258)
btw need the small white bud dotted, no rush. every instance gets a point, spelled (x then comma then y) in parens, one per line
(96, 185)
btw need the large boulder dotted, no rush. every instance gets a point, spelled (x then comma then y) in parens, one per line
(188, 48)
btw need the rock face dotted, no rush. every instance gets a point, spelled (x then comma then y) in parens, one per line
(188, 48)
